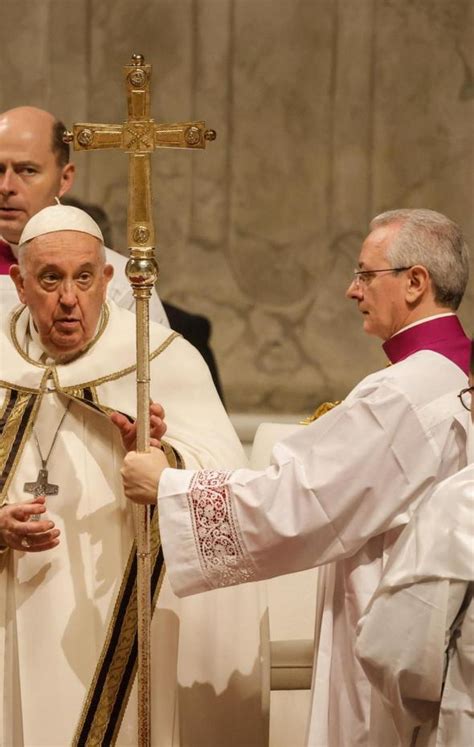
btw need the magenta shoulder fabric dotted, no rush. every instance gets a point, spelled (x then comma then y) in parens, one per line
(7, 258)
(443, 335)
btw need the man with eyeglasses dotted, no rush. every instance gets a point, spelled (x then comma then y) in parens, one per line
(413, 270)
(416, 637)
(339, 492)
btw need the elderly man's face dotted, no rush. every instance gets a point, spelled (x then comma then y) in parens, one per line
(30, 175)
(64, 285)
(380, 297)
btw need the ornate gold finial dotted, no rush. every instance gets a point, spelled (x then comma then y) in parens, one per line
(210, 135)
(68, 136)
(138, 59)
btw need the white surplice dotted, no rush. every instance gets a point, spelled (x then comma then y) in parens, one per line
(403, 635)
(340, 490)
(55, 606)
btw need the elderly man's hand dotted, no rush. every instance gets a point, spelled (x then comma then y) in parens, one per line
(128, 430)
(141, 475)
(19, 532)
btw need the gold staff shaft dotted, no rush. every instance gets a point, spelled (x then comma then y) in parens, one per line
(142, 273)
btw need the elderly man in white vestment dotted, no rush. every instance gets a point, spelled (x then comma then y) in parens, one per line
(343, 488)
(35, 171)
(416, 638)
(67, 568)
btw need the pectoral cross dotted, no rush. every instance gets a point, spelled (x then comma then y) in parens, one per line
(139, 136)
(40, 487)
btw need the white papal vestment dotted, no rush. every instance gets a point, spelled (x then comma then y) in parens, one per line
(339, 490)
(416, 639)
(56, 606)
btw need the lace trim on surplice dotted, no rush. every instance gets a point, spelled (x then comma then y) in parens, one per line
(221, 551)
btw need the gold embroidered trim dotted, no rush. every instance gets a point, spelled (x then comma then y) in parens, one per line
(18, 388)
(52, 370)
(130, 369)
(121, 654)
(175, 460)
(104, 320)
(10, 433)
(6, 402)
(78, 393)
(13, 321)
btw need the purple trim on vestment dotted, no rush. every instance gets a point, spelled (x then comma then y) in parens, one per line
(7, 258)
(443, 335)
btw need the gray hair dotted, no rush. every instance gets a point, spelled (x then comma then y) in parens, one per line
(430, 239)
(22, 249)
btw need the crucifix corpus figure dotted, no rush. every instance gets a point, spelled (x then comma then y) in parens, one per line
(139, 136)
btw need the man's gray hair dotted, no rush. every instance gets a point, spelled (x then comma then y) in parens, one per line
(22, 249)
(430, 239)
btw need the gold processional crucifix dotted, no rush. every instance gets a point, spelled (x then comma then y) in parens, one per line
(139, 136)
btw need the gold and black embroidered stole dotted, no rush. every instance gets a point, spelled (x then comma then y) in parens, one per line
(109, 691)
(112, 682)
(108, 694)
(88, 396)
(17, 416)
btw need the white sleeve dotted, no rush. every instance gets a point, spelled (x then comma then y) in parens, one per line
(345, 478)
(401, 645)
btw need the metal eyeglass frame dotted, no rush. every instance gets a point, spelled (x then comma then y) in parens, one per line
(358, 278)
(462, 394)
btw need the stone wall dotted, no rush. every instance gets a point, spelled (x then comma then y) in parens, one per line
(327, 112)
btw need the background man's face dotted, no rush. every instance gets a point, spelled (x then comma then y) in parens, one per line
(30, 175)
(381, 300)
(64, 285)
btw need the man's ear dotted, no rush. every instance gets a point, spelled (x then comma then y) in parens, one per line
(67, 178)
(16, 276)
(108, 275)
(108, 272)
(418, 283)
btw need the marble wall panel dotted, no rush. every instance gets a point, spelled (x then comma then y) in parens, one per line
(45, 58)
(327, 112)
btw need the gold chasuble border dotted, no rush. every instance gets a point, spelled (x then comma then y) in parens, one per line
(17, 416)
(88, 396)
(123, 371)
(109, 692)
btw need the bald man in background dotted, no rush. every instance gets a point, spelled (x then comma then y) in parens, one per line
(35, 172)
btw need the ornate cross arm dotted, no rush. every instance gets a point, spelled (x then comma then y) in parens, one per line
(142, 136)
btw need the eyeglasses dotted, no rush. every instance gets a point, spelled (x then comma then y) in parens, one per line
(364, 277)
(465, 395)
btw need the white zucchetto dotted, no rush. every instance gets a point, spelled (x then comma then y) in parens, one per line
(60, 218)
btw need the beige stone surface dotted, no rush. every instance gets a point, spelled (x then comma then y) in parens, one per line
(327, 112)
